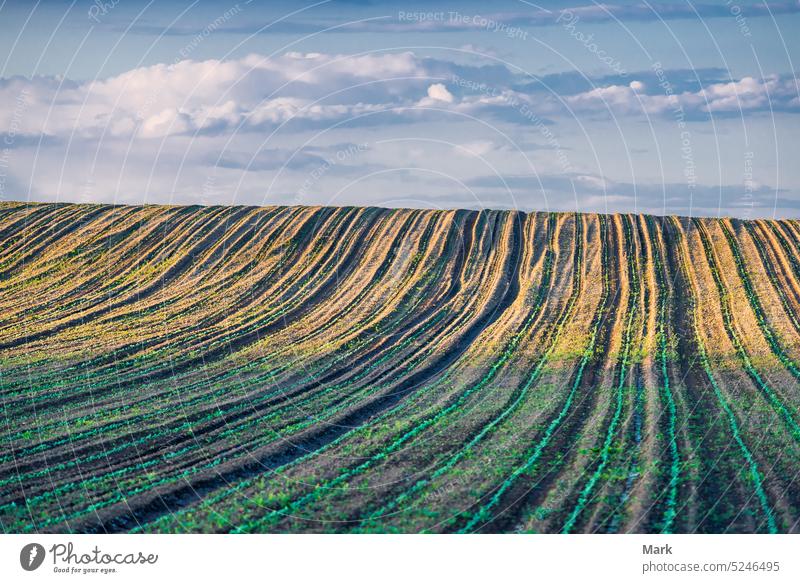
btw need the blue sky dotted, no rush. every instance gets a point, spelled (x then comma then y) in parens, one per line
(665, 107)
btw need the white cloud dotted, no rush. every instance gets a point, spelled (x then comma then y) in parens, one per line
(134, 137)
(192, 96)
(745, 95)
(475, 148)
(250, 93)
(439, 92)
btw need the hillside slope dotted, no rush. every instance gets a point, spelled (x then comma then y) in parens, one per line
(370, 370)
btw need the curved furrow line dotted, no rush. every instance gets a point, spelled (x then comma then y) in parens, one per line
(18, 218)
(224, 455)
(484, 514)
(134, 308)
(770, 335)
(152, 269)
(81, 253)
(446, 365)
(206, 235)
(231, 372)
(41, 266)
(667, 522)
(790, 234)
(619, 499)
(535, 314)
(318, 439)
(623, 367)
(56, 402)
(271, 394)
(293, 425)
(94, 385)
(289, 369)
(98, 285)
(712, 485)
(34, 241)
(790, 305)
(223, 419)
(727, 314)
(370, 412)
(226, 339)
(518, 396)
(754, 472)
(77, 390)
(788, 241)
(158, 245)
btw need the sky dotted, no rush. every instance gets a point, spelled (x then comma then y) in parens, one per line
(677, 107)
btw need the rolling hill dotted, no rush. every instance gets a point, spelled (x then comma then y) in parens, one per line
(307, 369)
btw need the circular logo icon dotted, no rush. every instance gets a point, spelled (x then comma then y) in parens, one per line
(31, 556)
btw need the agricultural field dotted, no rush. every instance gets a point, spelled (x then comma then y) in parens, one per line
(314, 369)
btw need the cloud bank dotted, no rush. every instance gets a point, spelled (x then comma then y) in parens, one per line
(255, 129)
